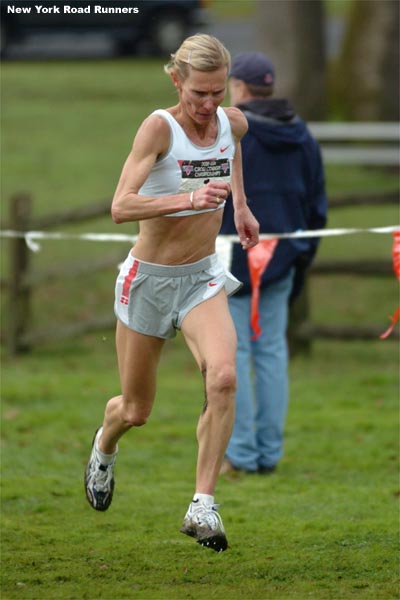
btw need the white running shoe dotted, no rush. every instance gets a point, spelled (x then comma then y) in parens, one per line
(99, 479)
(205, 524)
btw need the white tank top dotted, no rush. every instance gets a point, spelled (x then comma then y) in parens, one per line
(186, 167)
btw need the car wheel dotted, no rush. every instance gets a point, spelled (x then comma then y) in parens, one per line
(126, 48)
(168, 31)
(3, 40)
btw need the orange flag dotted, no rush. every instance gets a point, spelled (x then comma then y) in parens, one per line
(396, 253)
(258, 259)
(396, 268)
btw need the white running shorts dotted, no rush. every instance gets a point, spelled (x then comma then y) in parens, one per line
(154, 299)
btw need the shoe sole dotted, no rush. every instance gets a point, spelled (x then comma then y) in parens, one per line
(217, 541)
(89, 497)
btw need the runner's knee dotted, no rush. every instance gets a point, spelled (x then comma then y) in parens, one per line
(134, 415)
(221, 380)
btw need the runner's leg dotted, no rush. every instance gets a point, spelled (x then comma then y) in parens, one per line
(138, 358)
(210, 334)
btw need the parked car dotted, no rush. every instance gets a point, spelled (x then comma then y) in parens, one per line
(160, 25)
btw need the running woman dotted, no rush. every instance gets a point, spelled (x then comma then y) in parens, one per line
(184, 163)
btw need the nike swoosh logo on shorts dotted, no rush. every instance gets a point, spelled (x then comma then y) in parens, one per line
(211, 284)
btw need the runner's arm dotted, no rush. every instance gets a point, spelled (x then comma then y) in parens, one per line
(151, 141)
(246, 224)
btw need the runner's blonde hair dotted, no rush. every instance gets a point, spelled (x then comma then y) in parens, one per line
(201, 52)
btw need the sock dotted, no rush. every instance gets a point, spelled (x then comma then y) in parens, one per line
(204, 499)
(105, 459)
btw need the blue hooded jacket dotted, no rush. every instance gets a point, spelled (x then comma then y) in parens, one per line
(285, 188)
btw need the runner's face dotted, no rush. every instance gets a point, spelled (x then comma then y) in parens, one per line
(201, 94)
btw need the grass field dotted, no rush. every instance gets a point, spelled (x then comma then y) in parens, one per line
(324, 526)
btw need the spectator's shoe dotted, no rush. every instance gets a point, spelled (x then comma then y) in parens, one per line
(99, 478)
(227, 468)
(267, 470)
(205, 525)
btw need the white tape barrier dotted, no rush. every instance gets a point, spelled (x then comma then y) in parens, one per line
(31, 237)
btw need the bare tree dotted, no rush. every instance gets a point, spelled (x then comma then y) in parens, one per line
(291, 33)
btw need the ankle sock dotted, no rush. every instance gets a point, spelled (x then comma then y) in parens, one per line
(204, 499)
(105, 459)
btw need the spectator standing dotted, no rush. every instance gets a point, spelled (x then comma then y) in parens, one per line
(285, 189)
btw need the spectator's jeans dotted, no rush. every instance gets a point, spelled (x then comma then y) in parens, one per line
(262, 373)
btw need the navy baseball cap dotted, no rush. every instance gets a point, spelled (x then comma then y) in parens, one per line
(254, 68)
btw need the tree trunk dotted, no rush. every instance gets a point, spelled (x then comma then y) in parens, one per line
(368, 69)
(291, 33)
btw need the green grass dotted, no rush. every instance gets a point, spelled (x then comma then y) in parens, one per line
(246, 9)
(338, 8)
(233, 9)
(67, 127)
(325, 526)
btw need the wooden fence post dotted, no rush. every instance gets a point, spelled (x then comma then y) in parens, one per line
(19, 294)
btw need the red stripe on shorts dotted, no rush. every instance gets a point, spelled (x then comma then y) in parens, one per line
(127, 282)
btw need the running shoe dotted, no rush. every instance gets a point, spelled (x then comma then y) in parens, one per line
(205, 524)
(99, 479)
